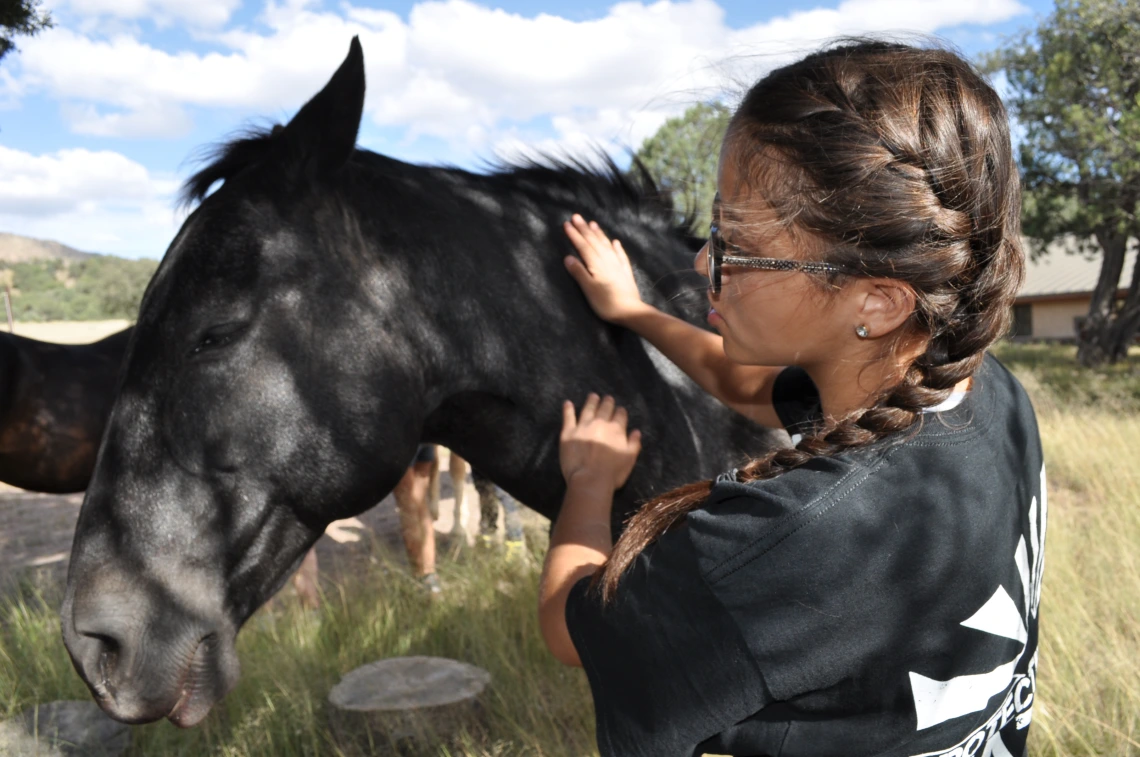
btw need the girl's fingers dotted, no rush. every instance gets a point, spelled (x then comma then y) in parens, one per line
(589, 409)
(621, 417)
(606, 408)
(581, 244)
(577, 269)
(568, 420)
(601, 241)
(635, 442)
(621, 253)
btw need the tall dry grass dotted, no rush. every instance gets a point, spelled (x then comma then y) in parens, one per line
(1089, 677)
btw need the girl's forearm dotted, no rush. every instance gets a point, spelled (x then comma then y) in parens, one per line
(580, 542)
(700, 354)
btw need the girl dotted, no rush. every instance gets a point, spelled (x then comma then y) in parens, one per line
(874, 590)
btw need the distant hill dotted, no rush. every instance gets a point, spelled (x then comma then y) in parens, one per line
(49, 281)
(17, 249)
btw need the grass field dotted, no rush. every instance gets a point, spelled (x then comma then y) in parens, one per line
(1089, 680)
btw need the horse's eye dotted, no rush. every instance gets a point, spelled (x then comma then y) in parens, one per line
(219, 336)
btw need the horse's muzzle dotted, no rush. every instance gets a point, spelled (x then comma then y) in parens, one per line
(143, 666)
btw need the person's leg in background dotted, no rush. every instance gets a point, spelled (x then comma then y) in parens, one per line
(457, 470)
(490, 497)
(416, 523)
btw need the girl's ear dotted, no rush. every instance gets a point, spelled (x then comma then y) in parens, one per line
(882, 305)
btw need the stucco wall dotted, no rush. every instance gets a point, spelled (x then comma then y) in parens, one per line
(1054, 320)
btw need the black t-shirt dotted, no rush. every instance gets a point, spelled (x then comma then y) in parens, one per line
(881, 602)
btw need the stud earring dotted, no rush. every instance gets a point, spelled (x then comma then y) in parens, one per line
(862, 331)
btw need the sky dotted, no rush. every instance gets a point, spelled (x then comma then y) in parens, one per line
(103, 116)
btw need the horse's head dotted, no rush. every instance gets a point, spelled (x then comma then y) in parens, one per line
(242, 424)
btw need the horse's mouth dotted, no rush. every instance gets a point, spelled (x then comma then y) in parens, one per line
(193, 702)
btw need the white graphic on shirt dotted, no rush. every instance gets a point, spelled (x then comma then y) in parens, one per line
(1016, 708)
(937, 701)
(1000, 617)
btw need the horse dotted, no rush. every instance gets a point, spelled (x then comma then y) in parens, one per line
(54, 403)
(319, 314)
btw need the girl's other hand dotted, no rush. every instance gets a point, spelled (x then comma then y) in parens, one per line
(603, 272)
(594, 449)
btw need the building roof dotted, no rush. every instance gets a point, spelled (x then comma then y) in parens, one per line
(1062, 270)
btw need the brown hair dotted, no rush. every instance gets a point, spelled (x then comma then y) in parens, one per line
(899, 159)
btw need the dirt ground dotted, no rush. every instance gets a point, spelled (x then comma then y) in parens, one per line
(36, 532)
(69, 332)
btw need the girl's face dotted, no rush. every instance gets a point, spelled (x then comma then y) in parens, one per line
(771, 317)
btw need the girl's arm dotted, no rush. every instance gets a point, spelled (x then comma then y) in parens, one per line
(597, 457)
(606, 277)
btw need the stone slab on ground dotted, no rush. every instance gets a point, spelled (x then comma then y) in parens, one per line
(63, 729)
(407, 702)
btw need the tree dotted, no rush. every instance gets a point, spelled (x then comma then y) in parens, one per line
(682, 158)
(20, 17)
(1074, 87)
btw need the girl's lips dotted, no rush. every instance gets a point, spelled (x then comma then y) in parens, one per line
(714, 317)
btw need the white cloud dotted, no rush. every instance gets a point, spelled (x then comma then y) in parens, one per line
(201, 13)
(163, 119)
(93, 200)
(455, 69)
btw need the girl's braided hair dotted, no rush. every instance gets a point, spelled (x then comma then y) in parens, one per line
(899, 159)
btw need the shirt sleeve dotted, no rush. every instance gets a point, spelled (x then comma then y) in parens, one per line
(667, 665)
(795, 399)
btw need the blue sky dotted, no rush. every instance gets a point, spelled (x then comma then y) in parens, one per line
(100, 116)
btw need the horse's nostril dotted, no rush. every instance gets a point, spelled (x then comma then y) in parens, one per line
(107, 650)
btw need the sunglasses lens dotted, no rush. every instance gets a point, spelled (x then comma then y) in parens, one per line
(713, 260)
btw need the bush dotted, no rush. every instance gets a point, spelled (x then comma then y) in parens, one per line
(98, 288)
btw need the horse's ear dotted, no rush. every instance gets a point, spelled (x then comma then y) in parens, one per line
(321, 137)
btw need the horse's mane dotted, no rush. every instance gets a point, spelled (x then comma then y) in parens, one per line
(601, 180)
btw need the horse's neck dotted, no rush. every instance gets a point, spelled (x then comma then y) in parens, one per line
(510, 376)
(503, 336)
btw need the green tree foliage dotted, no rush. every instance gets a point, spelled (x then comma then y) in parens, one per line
(96, 288)
(20, 17)
(1074, 88)
(682, 158)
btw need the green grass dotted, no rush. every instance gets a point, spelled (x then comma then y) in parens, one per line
(1051, 371)
(291, 658)
(1089, 678)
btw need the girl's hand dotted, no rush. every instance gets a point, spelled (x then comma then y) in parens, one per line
(604, 272)
(594, 448)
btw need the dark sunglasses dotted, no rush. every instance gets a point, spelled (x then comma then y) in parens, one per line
(718, 257)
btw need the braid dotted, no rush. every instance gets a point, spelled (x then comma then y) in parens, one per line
(901, 157)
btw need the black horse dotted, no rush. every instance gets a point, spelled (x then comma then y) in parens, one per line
(54, 404)
(315, 318)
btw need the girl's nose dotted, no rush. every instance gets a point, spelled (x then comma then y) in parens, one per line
(700, 262)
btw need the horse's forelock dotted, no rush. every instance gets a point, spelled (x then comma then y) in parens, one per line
(226, 160)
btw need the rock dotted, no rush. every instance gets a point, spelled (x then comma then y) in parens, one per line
(63, 729)
(406, 702)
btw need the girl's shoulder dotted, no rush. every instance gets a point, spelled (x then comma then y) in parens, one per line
(958, 467)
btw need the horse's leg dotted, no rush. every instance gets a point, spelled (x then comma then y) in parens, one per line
(416, 522)
(457, 469)
(305, 581)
